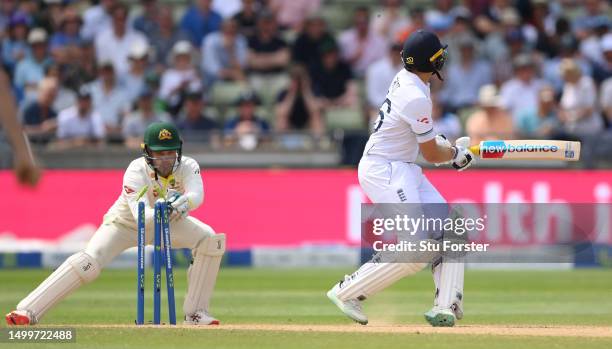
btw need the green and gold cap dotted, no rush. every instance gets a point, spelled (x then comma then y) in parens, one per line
(162, 136)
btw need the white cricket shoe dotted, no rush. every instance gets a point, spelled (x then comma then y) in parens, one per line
(200, 317)
(351, 308)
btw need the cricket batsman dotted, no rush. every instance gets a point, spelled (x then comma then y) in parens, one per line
(388, 174)
(162, 170)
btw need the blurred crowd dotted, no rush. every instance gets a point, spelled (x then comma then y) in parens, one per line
(92, 72)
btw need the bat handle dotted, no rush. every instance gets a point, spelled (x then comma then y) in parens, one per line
(475, 149)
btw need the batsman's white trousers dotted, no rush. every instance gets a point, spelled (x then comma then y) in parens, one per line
(386, 181)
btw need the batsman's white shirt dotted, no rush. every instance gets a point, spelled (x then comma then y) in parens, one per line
(186, 180)
(387, 172)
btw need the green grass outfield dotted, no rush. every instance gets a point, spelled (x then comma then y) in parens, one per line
(288, 309)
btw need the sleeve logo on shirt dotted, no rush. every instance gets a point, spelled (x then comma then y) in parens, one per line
(128, 190)
(424, 120)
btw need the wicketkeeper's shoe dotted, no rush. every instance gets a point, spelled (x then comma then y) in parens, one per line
(351, 308)
(18, 318)
(440, 317)
(200, 317)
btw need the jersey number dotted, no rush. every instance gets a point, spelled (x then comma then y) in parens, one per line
(381, 114)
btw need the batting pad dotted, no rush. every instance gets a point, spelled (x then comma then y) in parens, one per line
(77, 270)
(451, 283)
(374, 277)
(202, 274)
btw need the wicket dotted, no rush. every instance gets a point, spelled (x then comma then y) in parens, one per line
(161, 220)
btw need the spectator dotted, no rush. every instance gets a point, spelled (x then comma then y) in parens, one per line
(68, 34)
(542, 122)
(291, 14)
(166, 36)
(110, 100)
(200, 20)
(135, 123)
(114, 44)
(465, 76)
(39, 116)
(247, 126)
(227, 8)
(134, 80)
(416, 22)
(567, 48)
(606, 100)
(97, 19)
(81, 68)
(521, 92)
(224, 53)
(31, 70)
(380, 75)
(592, 11)
(179, 78)
(296, 107)
(590, 45)
(441, 17)
(332, 80)
(80, 125)
(305, 49)
(147, 22)
(491, 121)
(15, 45)
(247, 17)
(360, 46)
(444, 122)
(7, 10)
(603, 70)
(48, 15)
(64, 97)
(192, 117)
(268, 57)
(578, 104)
(392, 21)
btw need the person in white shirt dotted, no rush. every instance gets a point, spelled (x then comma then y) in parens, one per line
(181, 77)
(97, 19)
(380, 75)
(521, 93)
(115, 43)
(80, 125)
(388, 174)
(161, 171)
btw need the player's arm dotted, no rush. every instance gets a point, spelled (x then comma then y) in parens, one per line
(134, 190)
(25, 166)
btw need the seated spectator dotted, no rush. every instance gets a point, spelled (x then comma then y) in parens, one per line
(542, 122)
(441, 16)
(7, 9)
(291, 14)
(606, 100)
(134, 80)
(114, 44)
(31, 70)
(247, 17)
(380, 75)
(603, 70)
(147, 22)
(465, 76)
(110, 100)
(392, 21)
(332, 80)
(39, 116)
(268, 57)
(224, 54)
(166, 36)
(69, 33)
(80, 125)
(246, 122)
(15, 45)
(296, 107)
(491, 121)
(97, 19)
(444, 122)
(305, 49)
(578, 104)
(417, 21)
(64, 96)
(135, 124)
(81, 67)
(200, 20)
(192, 117)
(567, 48)
(361, 46)
(521, 92)
(179, 78)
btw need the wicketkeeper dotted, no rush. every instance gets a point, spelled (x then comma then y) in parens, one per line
(164, 171)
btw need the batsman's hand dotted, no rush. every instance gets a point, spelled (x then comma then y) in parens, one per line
(463, 156)
(179, 207)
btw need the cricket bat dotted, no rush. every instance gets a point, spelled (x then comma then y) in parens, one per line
(527, 149)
